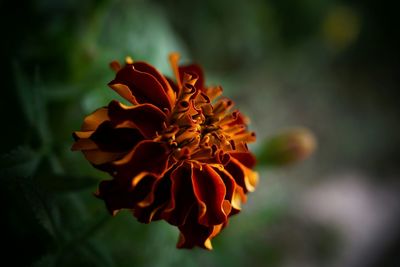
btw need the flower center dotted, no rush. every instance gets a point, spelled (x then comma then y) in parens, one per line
(197, 130)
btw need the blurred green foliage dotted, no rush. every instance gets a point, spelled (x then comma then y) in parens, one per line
(55, 69)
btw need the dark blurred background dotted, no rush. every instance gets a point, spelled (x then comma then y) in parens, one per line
(331, 66)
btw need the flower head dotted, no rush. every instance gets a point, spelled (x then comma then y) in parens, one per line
(177, 152)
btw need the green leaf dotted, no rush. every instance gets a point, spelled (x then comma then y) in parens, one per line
(85, 254)
(59, 92)
(22, 162)
(45, 261)
(101, 253)
(24, 93)
(65, 183)
(33, 103)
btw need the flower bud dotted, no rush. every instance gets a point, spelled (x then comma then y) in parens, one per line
(288, 147)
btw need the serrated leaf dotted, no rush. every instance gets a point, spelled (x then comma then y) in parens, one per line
(21, 164)
(38, 205)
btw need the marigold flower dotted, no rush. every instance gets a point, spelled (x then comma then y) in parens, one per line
(177, 152)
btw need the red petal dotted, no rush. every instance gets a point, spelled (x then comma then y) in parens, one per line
(144, 67)
(144, 87)
(98, 157)
(173, 85)
(228, 181)
(182, 196)
(246, 158)
(119, 195)
(147, 156)
(195, 69)
(115, 65)
(147, 118)
(209, 190)
(244, 177)
(113, 139)
(194, 234)
(151, 208)
(237, 173)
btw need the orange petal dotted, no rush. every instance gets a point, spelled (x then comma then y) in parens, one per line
(124, 91)
(246, 137)
(93, 120)
(174, 61)
(243, 176)
(84, 144)
(173, 85)
(239, 197)
(213, 92)
(128, 60)
(98, 157)
(79, 135)
(240, 119)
